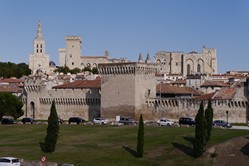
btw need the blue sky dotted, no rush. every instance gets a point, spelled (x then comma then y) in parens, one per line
(127, 27)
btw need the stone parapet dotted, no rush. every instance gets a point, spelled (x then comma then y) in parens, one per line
(127, 68)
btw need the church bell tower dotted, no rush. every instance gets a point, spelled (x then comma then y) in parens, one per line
(39, 61)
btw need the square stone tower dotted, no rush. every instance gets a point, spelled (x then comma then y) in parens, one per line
(70, 56)
(125, 88)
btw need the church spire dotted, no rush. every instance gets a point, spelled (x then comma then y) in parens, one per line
(147, 58)
(39, 31)
(140, 58)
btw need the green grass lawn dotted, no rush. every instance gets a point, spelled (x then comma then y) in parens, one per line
(108, 145)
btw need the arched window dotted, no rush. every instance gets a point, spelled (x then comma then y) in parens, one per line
(188, 69)
(32, 108)
(149, 92)
(199, 68)
(94, 65)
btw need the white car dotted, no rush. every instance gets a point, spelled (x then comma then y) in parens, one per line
(100, 121)
(164, 122)
(9, 161)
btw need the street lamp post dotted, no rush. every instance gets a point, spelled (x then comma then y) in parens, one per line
(227, 117)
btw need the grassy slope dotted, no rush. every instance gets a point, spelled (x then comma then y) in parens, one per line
(108, 145)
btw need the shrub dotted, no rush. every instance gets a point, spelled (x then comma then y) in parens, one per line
(209, 119)
(200, 132)
(52, 131)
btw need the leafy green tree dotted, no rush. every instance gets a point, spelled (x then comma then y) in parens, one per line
(209, 119)
(95, 70)
(87, 69)
(75, 71)
(23, 69)
(63, 69)
(200, 132)
(52, 131)
(140, 138)
(66, 70)
(10, 105)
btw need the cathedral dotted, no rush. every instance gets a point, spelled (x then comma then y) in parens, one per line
(187, 63)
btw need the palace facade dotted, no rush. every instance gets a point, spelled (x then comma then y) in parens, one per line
(187, 63)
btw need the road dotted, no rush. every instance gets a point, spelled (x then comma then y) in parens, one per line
(240, 127)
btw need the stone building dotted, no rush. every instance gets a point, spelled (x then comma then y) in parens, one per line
(187, 63)
(79, 98)
(39, 60)
(233, 99)
(12, 85)
(71, 55)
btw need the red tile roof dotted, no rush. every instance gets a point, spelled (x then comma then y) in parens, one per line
(168, 89)
(180, 81)
(80, 84)
(214, 84)
(10, 88)
(224, 93)
(206, 96)
(11, 80)
(229, 75)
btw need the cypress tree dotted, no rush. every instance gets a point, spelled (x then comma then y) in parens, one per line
(209, 119)
(200, 132)
(140, 138)
(52, 131)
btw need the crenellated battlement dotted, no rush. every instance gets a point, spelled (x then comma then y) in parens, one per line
(74, 37)
(127, 68)
(33, 83)
(71, 101)
(175, 108)
(195, 103)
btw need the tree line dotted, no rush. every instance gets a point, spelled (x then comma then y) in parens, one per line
(76, 70)
(9, 69)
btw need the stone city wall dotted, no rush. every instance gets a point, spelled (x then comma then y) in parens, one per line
(176, 108)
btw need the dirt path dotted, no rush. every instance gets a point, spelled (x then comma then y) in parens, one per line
(233, 152)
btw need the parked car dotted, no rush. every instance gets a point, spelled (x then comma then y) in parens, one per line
(100, 121)
(186, 121)
(9, 161)
(127, 120)
(164, 122)
(60, 120)
(76, 120)
(222, 123)
(7, 120)
(27, 120)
